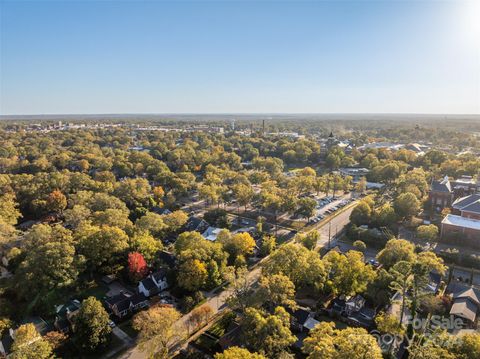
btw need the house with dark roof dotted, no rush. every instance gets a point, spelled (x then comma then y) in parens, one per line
(119, 304)
(352, 311)
(195, 224)
(64, 315)
(167, 258)
(441, 193)
(138, 301)
(125, 303)
(154, 283)
(302, 319)
(468, 206)
(148, 287)
(6, 342)
(161, 211)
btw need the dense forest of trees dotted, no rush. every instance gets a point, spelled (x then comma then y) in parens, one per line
(78, 204)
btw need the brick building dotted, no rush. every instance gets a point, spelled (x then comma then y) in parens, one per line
(464, 221)
(441, 194)
(444, 192)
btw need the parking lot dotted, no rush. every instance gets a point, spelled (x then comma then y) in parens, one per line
(329, 205)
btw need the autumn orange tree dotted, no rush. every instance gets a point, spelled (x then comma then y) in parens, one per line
(137, 266)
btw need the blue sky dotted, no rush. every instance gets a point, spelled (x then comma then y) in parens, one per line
(60, 57)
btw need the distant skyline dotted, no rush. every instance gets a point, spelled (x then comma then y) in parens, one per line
(105, 57)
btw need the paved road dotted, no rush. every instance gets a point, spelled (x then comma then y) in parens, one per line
(217, 301)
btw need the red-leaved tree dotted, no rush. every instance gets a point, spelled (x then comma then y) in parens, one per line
(137, 267)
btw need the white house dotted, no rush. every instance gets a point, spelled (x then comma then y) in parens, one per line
(154, 283)
(211, 233)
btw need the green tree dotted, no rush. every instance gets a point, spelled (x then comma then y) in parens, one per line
(467, 347)
(92, 331)
(268, 333)
(302, 266)
(243, 193)
(326, 342)
(361, 214)
(388, 323)
(384, 216)
(359, 246)
(175, 221)
(406, 205)
(9, 212)
(348, 274)
(361, 185)
(239, 244)
(427, 232)
(241, 288)
(238, 353)
(50, 262)
(306, 207)
(217, 217)
(102, 246)
(157, 330)
(192, 275)
(153, 223)
(396, 250)
(278, 290)
(268, 245)
(28, 344)
(402, 283)
(145, 244)
(76, 215)
(308, 240)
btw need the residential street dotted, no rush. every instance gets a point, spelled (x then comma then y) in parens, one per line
(217, 301)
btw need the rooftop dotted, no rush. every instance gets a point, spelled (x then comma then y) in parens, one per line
(463, 222)
(441, 186)
(464, 308)
(466, 201)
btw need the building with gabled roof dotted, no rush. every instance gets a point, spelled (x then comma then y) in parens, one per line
(195, 224)
(466, 305)
(441, 193)
(154, 283)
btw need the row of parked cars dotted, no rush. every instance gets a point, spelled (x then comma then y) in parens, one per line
(325, 201)
(341, 204)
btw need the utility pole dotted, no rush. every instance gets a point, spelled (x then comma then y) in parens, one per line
(329, 232)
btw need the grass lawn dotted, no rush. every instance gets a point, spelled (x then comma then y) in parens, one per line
(218, 329)
(114, 345)
(206, 342)
(128, 329)
(94, 290)
(338, 324)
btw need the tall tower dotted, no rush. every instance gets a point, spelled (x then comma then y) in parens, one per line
(263, 127)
